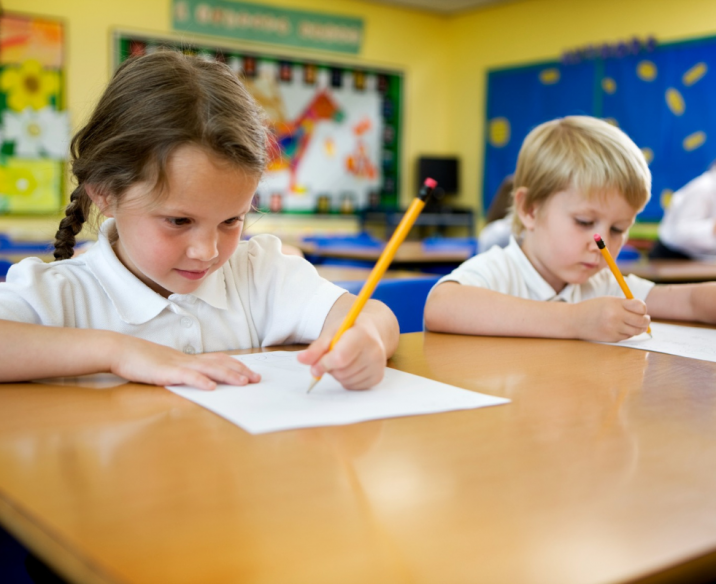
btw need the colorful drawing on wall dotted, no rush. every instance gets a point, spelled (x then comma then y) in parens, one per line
(336, 129)
(662, 98)
(34, 129)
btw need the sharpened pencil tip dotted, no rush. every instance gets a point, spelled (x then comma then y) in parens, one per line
(314, 381)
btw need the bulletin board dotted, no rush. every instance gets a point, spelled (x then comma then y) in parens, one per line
(662, 98)
(34, 126)
(337, 126)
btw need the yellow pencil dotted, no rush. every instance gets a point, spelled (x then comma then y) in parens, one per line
(383, 262)
(615, 269)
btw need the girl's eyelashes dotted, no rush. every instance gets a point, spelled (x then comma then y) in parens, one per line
(233, 221)
(584, 222)
(178, 221)
(617, 230)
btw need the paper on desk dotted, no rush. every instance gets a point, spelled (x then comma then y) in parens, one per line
(280, 401)
(684, 341)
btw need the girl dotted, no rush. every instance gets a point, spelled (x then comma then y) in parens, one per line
(172, 156)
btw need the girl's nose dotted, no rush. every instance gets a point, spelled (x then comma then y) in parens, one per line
(203, 247)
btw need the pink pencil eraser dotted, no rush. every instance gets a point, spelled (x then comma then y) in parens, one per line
(429, 182)
(597, 237)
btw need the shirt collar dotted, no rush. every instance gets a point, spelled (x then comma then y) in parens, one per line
(537, 285)
(134, 301)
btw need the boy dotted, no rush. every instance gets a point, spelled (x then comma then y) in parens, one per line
(575, 177)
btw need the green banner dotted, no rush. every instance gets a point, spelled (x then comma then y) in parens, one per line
(268, 24)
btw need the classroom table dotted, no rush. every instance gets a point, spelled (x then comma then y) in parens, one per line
(671, 271)
(350, 274)
(601, 470)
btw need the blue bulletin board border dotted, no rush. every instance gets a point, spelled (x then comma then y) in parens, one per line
(659, 97)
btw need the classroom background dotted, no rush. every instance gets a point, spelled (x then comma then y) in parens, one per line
(423, 100)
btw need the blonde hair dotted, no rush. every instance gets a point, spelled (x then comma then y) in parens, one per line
(584, 153)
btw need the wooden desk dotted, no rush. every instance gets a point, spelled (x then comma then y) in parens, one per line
(671, 271)
(601, 470)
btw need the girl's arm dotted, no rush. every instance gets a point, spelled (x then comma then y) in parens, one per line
(455, 308)
(691, 302)
(31, 351)
(358, 359)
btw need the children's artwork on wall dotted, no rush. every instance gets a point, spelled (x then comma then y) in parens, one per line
(336, 128)
(661, 96)
(34, 128)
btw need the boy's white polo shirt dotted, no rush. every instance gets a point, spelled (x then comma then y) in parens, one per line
(259, 297)
(510, 272)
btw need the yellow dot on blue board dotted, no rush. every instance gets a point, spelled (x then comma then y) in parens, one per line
(609, 85)
(648, 154)
(693, 141)
(499, 132)
(549, 76)
(646, 70)
(694, 74)
(665, 198)
(675, 101)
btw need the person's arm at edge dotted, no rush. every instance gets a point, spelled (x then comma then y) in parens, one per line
(689, 302)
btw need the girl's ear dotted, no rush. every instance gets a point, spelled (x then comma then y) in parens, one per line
(526, 214)
(101, 200)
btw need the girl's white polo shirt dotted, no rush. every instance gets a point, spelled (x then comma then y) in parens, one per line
(510, 272)
(259, 297)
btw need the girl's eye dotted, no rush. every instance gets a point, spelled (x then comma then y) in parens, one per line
(178, 221)
(583, 223)
(617, 230)
(233, 221)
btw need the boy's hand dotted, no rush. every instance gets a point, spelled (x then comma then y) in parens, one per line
(146, 362)
(357, 361)
(610, 319)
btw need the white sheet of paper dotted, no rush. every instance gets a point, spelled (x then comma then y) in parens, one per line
(280, 401)
(684, 341)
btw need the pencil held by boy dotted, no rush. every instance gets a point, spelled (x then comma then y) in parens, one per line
(172, 156)
(576, 177)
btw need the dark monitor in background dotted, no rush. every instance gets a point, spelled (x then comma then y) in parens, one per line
(445, 170)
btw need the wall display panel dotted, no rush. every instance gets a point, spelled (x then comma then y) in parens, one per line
(663, 99)
(337, 127)
(34, 128)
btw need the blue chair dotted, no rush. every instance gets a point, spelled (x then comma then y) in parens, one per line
(628, 253)
(405, 297)
(8, 245)
(4, 267)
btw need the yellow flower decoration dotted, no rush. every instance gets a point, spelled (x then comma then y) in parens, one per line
(29, 85)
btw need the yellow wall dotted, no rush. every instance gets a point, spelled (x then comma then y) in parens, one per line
(445, 59)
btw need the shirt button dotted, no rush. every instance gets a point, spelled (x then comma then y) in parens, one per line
(189, 350)
(186, 322)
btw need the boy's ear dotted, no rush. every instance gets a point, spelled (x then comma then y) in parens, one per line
(101, 200)
(526, 215)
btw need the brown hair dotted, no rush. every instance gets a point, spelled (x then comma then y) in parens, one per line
(582, 152)
(153, 105)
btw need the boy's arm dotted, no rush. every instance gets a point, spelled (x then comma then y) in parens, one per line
(32, 351)
(456, 308)
(690, 302)
(358, 359)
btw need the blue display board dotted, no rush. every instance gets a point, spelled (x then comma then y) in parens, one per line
(662, 99)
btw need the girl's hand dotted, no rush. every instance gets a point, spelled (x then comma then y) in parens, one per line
(357, 361)
(145, 362)
(610, 319)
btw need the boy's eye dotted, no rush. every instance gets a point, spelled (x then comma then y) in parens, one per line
(178, 221)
